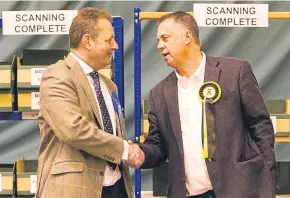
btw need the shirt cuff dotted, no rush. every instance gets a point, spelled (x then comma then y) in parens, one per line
(126, 150)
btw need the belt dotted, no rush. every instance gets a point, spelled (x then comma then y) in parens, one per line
(208, 194)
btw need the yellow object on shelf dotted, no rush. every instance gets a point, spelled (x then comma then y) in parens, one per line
(5, 76)
(26, 175)
(5, 88)
(6, 179)
(29, 76)
(283, 125)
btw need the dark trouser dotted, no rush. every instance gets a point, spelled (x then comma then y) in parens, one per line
(117, 190)
(208, 194)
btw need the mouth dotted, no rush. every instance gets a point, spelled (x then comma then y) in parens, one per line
(165, 55)
(110, 54)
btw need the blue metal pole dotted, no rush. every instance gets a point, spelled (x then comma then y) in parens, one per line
(137, 91)
(11, 115)
(118, 69)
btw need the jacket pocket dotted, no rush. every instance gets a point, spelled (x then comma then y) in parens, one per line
(67, 167)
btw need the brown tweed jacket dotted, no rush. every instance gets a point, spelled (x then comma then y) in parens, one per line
(74, 149)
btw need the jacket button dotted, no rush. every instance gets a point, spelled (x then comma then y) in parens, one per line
(102, 173)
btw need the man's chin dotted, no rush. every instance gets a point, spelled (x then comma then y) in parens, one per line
(169, 64)
(108, 63)
(105, 65)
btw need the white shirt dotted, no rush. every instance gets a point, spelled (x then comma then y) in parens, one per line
(190, 110)
(110, 176)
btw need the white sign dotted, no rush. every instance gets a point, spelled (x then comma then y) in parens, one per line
(29, 115)
(231, 15)
(33, 183)
(36, 74)
(37, 22)
(0, 183)
(274, 122)
(35, 100)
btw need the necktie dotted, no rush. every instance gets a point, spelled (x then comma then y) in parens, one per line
(104, 110)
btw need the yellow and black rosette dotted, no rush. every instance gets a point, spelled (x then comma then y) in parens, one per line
(209, 92)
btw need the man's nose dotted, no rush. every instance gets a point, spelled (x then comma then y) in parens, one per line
(160, 45)
(115, 45)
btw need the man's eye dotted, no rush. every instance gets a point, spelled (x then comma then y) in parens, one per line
(165, 38)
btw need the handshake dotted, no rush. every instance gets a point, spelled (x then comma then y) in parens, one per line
(135, 155)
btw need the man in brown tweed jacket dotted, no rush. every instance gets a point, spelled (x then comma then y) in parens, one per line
(234, 157)
(83, 150)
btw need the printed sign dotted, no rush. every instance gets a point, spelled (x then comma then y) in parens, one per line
(36, 74)
(231, 15)
(35, 100)
(33, 183)
(37, 22)
(274, 122)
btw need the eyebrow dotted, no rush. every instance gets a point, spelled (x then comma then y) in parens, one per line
(111, 37)
(163, 35)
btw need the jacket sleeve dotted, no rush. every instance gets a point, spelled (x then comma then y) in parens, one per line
(154, 146)
(258, 119)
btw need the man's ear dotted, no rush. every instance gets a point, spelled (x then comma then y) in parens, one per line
(86, 41)
(188, 37)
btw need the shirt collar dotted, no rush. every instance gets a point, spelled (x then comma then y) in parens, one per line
(85, 67)
(199, 73)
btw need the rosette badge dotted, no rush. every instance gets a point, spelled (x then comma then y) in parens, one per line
(210, 91)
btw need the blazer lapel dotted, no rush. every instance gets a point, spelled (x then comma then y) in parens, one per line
(211, 74)
(171, 98)
(211, 70)
(119, 124)
(82, 79)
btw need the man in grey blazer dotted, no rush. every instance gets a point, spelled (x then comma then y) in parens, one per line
(209, 119)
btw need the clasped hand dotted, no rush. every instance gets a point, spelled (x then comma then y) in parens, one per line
(135, 156)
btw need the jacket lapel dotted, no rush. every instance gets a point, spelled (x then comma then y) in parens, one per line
(82, 79)
(211, 70)
(111, 89)
(118, 127)
(211, 74)
(171, 98)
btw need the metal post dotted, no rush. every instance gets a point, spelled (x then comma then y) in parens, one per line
(137, 91)
(118, 69)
